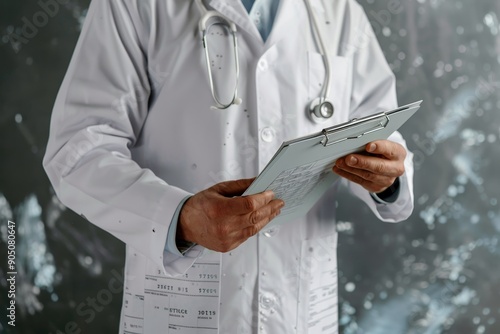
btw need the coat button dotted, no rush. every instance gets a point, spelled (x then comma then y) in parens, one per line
(267, 134)
(267, 301)
(263, 65)
(271, 232)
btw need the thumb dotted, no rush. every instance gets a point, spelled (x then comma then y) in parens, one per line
(233, 188)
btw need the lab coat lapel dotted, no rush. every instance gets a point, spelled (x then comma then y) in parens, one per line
(290, 18)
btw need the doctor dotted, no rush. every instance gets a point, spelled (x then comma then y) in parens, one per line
(153, 138)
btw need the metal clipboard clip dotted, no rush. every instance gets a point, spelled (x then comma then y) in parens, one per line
(379, 126)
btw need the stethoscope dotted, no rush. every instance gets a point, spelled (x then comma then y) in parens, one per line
(321, 108)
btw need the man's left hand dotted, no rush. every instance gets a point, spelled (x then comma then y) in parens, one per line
(377, 170)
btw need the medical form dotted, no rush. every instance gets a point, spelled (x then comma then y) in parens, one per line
(188, 304)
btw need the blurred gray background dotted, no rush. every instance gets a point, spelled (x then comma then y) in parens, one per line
(436, 273)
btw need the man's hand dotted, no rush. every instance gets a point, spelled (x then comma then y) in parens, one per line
(219, 219)
(376, 171)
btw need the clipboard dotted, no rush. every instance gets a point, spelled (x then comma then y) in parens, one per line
(300, 172)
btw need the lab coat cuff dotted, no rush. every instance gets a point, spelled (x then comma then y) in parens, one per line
(174, 262)
(390, 195)
(167, 208)
(175, 265)
(170, 243)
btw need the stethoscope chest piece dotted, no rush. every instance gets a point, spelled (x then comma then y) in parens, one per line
(321, 110)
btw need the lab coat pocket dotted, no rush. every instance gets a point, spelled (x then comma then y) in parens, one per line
(318, 297)
(340, 89)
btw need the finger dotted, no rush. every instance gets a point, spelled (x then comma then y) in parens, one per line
(246, 227)
(263, 213)
(252, 230)
(377, 184)
(389, 149)
(243, 205)
(372, 165)
(233, 188)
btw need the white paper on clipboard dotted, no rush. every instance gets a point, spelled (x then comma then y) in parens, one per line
(301, 170)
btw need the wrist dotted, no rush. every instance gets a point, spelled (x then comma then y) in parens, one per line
(182, 239)
(389, 195)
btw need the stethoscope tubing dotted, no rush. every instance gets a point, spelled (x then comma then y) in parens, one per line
(324, 52)
(314, 108)
(203, 27)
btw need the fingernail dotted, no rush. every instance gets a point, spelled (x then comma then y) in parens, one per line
(371, 147)
(282, 204)
(353, 161)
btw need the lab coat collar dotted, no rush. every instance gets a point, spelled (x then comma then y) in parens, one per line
(289, 18)
(236, 12)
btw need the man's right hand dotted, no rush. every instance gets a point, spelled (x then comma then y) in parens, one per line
(220, 219)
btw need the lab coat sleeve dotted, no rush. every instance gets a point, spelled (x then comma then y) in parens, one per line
(374, 90)
(97, 118)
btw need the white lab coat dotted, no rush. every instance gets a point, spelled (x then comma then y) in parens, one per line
(132, 134)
